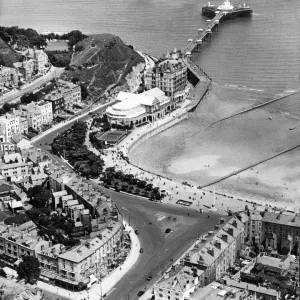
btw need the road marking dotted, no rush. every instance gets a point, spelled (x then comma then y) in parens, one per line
(160, 217)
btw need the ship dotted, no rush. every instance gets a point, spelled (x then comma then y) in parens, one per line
(228, 10)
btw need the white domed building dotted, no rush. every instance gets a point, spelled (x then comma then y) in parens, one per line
(137, 109)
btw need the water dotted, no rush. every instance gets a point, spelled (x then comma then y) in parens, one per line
(250, 60)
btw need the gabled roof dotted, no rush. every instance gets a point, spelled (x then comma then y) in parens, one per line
(5, 187)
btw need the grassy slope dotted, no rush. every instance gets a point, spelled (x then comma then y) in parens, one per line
(7, 55)
(106, 62)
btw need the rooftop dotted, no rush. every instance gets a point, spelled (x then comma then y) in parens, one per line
(281, 218)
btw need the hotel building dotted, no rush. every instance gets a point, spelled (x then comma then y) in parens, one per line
(169, 75)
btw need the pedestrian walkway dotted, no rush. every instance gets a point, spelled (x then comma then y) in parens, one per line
(102, 288)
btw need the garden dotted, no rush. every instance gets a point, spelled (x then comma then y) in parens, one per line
(70, 145)
(129, 184)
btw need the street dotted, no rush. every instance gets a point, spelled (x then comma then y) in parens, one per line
(159, 247)
(44, 142)
(55, 72)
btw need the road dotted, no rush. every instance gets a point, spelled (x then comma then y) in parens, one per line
(55, 72)
(47, 139)
(158, 246)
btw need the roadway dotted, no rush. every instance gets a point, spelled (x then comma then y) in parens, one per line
(159, 247)
(54, 72)
(48, 138)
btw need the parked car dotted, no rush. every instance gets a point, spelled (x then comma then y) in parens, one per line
(149, 277)
(140, 293)
(141, 250)
(137, 232)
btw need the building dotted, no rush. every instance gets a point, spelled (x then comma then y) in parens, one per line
(71, 93)
(91, 210)
(280, 232)
(9, 125)
(252, 221)
(17, 241)
(57, 101)
(176, 284)
(169, 75)
(25, 68)
(46, 110)
(136, 109)
(39, 58)
(8, 77)
(14, 167)
(21, 142)
(216, 251)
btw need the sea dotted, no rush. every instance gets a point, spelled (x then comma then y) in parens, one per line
(252, 59)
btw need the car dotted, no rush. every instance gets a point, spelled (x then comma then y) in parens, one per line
(141, 250)
(168, 230)
(137, 232)
(140, 293)
(149, 277)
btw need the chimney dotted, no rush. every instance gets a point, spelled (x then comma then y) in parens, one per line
(224, 237)
(42, 247)
(62, 249)
(50, 244)
(211, 251)
(218, 245)
(79, 251)
(230, 231)
(234, 223)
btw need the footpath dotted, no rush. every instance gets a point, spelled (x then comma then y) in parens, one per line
(106, 285)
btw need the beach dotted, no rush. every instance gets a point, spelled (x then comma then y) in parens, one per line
(191, 152)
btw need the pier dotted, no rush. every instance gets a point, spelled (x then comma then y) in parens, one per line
(195, 44)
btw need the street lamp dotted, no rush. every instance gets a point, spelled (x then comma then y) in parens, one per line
(100, 288)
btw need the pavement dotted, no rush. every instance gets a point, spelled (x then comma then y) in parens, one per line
(107, 283)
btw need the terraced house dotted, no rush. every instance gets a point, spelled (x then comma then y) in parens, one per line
(206, 262)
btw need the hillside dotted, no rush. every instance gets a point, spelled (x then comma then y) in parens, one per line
(101, 61)
(7, 55)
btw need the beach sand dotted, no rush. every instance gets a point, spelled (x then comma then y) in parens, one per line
(191, 152)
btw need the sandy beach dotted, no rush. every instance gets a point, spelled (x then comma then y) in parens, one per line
(191, 152)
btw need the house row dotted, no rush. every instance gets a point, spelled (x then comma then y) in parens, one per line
(214, 253)
(37, 114)
(33, 62)
(273, 230)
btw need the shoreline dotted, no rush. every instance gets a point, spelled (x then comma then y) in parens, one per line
(224, 198)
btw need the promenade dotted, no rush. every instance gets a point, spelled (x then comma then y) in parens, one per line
(201, 198)
(106, 285)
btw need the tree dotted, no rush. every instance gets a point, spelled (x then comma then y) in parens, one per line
(29, 268)
(84, 91)
(39, 196)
